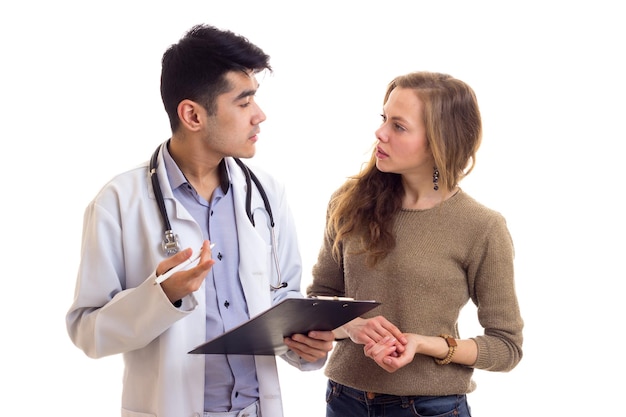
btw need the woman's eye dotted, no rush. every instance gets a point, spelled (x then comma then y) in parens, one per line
(398, 127)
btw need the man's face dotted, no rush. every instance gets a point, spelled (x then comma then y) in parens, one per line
(233, 129)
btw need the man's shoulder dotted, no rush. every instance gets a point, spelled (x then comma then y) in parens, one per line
(127, 184)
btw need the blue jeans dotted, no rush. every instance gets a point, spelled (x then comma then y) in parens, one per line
(343, 401)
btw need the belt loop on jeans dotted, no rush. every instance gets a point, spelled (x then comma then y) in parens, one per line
(337, 387)
(405, 401)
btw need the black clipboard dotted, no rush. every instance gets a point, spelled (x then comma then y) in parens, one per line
(264, 333)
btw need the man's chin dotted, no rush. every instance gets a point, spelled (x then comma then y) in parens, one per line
(246, 155)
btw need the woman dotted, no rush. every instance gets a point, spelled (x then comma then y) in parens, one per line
(402, 232)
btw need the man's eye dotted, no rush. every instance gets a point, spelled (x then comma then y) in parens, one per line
(248, 101)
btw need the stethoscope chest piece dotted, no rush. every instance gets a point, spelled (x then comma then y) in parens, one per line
(170, 243)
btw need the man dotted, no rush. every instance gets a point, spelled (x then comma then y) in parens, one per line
(208, 86)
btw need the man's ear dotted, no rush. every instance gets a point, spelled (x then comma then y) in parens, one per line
(189, 113)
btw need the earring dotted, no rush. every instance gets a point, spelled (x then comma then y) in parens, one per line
(435, 179)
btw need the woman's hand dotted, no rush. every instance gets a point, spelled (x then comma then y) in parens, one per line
(387, 355)
(373, 330)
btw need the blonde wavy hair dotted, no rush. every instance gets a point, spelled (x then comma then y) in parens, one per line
(365, 205)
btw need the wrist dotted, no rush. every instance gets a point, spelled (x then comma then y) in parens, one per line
(340, 333)
(451, 345)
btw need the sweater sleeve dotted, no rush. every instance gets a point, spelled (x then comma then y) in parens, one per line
(328, 275)
(492, 288)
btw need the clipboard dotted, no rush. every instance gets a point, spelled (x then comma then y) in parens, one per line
(264, 333)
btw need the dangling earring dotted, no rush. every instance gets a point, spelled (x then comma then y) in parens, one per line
(435, 179)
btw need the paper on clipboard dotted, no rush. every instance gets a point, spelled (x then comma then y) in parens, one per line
(264, 333)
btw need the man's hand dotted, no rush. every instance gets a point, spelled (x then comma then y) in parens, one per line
(185, 282)
(313, 346)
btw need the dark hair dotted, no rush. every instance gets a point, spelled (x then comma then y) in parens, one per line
(195, 67)
(366, 204)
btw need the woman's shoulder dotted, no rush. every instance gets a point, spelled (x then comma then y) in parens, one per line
(477, 210)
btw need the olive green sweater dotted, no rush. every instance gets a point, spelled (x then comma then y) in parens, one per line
(444, 256)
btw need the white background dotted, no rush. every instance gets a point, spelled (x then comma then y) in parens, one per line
(79, 102)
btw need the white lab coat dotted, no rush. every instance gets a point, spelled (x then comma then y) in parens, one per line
(118, 309)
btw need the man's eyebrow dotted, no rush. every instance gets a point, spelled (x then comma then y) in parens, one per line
(244, 94)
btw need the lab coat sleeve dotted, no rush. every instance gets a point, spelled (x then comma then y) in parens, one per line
(107, 317)
(294, 360)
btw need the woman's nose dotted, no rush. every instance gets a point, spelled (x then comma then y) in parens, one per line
(380, 134)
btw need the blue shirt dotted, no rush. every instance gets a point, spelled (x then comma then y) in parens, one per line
(230, 380)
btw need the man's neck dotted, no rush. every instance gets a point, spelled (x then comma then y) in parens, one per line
(199, 166)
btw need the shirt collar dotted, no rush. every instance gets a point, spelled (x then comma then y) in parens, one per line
(177, 178)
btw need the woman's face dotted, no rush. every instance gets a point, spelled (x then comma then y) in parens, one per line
(402, 147)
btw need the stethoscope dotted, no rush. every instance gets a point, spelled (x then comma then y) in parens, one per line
(170, 243)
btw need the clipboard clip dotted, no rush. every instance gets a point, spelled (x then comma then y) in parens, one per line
(331, 298)
(336, 298)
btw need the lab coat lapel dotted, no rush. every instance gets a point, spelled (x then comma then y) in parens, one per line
(254, 254)
(254, 249)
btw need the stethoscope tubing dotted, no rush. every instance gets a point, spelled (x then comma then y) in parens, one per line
(170, 243)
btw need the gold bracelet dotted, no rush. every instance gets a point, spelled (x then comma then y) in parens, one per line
(451, 349)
